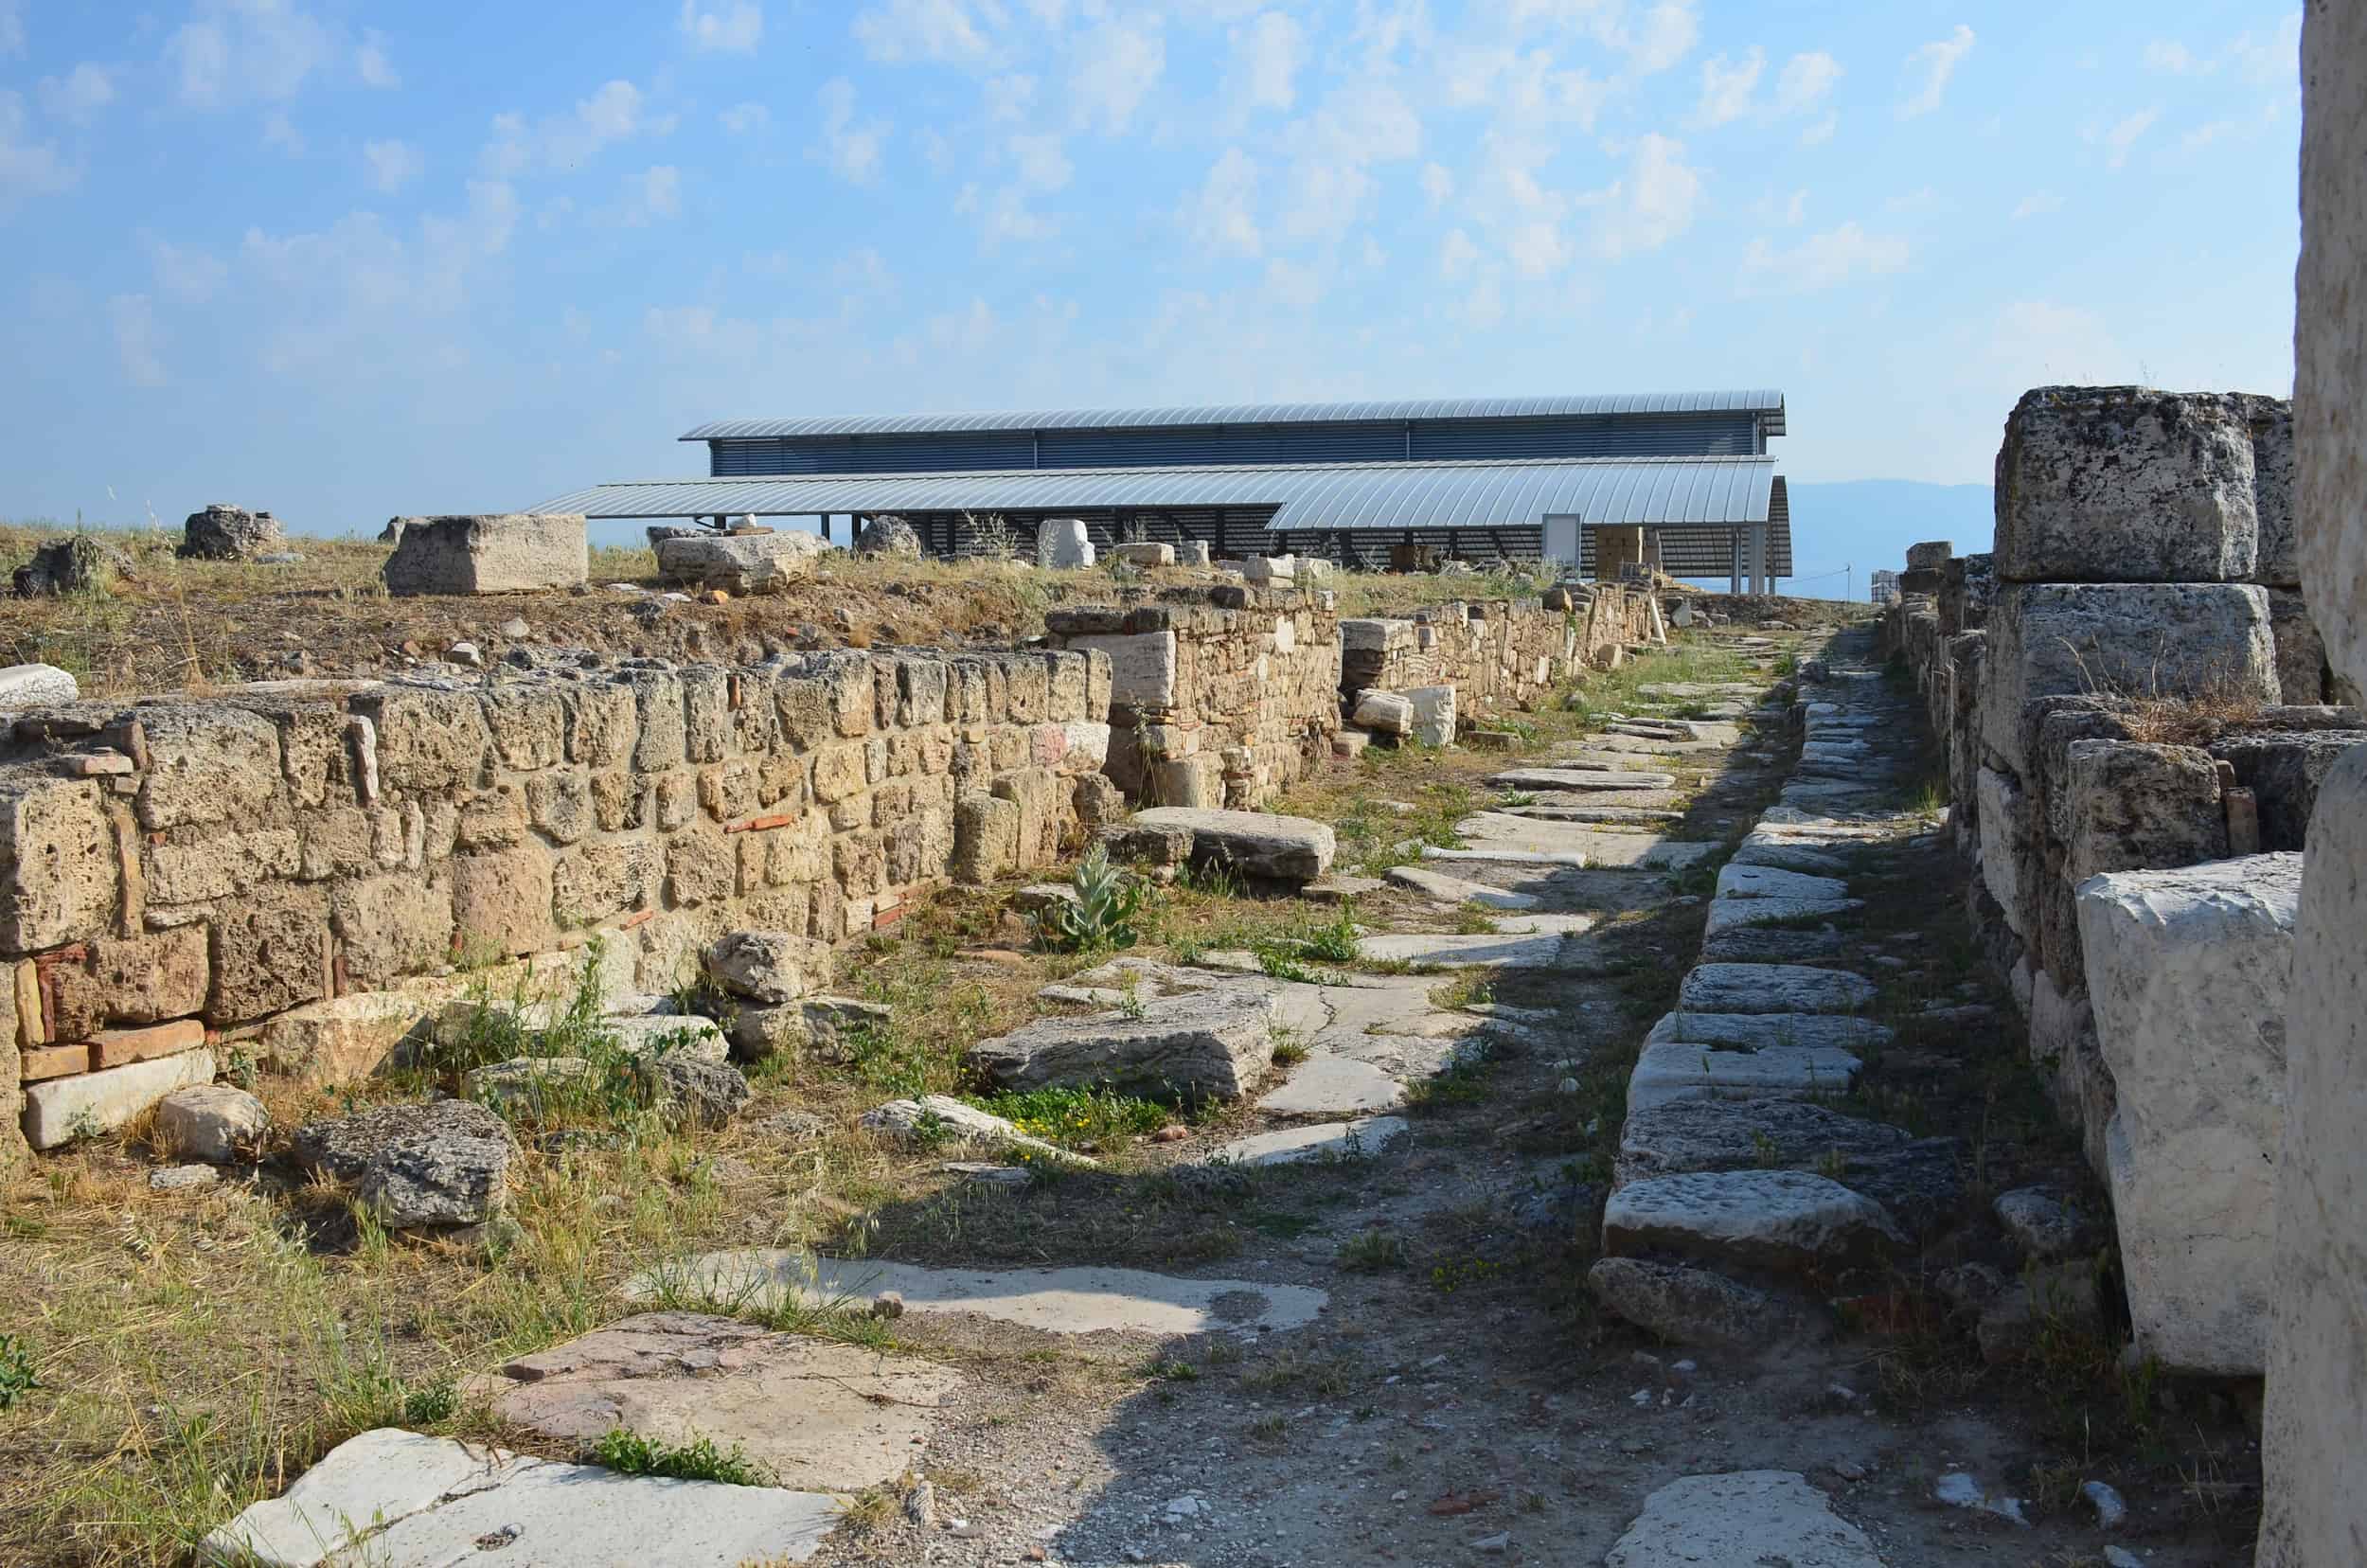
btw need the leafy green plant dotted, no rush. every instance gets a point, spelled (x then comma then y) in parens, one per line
(1102, 915)
(1074, 1116)
(629, 1454)
(1372, 1251)
(1336, 941)
(16, 1371)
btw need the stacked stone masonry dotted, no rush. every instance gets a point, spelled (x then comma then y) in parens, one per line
(292, 870)
(2131, 699)
(1497, 655)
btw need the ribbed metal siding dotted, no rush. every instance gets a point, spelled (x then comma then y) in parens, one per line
(939, 454)
(1689, 435)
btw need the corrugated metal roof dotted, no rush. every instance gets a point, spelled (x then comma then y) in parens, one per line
(1323, 495)
(1760, 401)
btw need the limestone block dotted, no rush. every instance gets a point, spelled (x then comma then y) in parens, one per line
(770, 966)
(2285, 769)
(347, 1039)
(2125, 484)
(1193, 552)
(142, 979)
(2188, 972)
(1256, 843)
(503, 898)
(225, 532)
(2272, 419)
(1769, 1219)
(1926, 556)
(428, 740)
(504, 553)
(1209, 1045)
(1144, 553)
(2137, 806)
(27, 685)
(1967, 584)
(2179, 639)
(1433, 715)
(1741, 1519)
(1062, 542)
(2301, 652)
(1382, 712)
(1686, 1305)
(700, 869)
(63, 1109)
(206, 764)
(212, 1122)
(985, 837)
(746, 563)
(270, 952)
(1142, 667)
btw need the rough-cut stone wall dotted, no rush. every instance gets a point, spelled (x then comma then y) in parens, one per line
(2144, 552)
(1498, 654)
(2314, 1426)
(184, 873)
(1219, 697)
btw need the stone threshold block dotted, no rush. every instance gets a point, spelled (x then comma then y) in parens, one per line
(504, 553)
(1675, 1070)
(61, 1110)
(2188, 973)
(1772, 988)
(1767, 1218)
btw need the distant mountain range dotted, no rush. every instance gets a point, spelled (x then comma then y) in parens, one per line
(1840, 533)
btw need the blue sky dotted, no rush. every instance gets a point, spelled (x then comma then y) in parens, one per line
(348, 260)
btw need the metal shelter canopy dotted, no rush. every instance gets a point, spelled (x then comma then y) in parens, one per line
(1609, 491)
(1753, 401)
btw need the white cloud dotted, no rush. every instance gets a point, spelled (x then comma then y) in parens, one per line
(1043, 166)
(237, 50)
(1805, 81)
(2036, 204)
(1267, 55)
(1004, 214)
(1823, 261)
(2167, 55)
(79, 95)
(1295, 284)
(2270, 59)
(851, 151)
(2208, 131)
(1438, 184)
(12, 27)
(1010, 96)
(742, 118)
(735, 28)
(614, 112)
(1935, 64)
(370, 61)
(1796, 210)
(940, 30)
(1661, 35)
(393, 164)
(1653, 204)
(1537, 249)
(27, 169)
(1222, 215)
(652, 196)
(280, 132)
(1114, 69)
(2122, 134)
(1726, 89)
(1360, 124)
(1457, 256)
(185, 273)
(136, 342)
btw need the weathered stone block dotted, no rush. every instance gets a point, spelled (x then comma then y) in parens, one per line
(495, 553)
(2272, 419)
(1213, 1044)
(142, 979)
(2125, 484)
(391, 926)
(206, 764)
(2168, 640)
(59, 874)
(1063, 542)
(428, 740)
(2137, 806)
(2189, 972)
(1255, 844)
(2301, 652)
(28, 685)
(985, 838)
(1142, 669)
(270, 952)
(65, 1108)
(1433, 715)
(502, 899)
(2285, 769)
(1383, 712)
(1930, 555)
(212, 1122)
(700, 868)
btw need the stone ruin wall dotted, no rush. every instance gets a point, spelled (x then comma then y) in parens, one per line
(2132, 701)
(1219, 697)
(291, 875)
(1499, 654)
(291, 870)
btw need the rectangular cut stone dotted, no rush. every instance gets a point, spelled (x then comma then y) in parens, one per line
(65, 1108)
(2188, 973)
(2168, 640)
(502, 553)
(1673, 1070)
(1142, 667)
(2301, 652)
(120, 1047)
(2141, 807)
(59, 874)
(744, 564)
(2278, 564)
(1256, 843)
(2125, 484)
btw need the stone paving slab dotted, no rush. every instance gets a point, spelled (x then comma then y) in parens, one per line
(1766, 881)
(1319, 1141)
(1487, 831)
(1709, 1133)
(1726, 913)
(1670, 1071)
(1579, 778)
(395, 1499)
(1750, 944)
(1329, 1084)
(1812, 858)
(1060, 1301)
(1763, 1031)
(820, 1415)
(1772, 1219)
(1458, 890)
(1747, 1518)
(1720, 988)
(1449, 950)
(1600, 816)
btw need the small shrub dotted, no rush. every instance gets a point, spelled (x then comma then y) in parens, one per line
(1337, 941)
(629, 1454)
(16, 1371)
(1103, 914)
(1073, 1116)
(1372, 1251)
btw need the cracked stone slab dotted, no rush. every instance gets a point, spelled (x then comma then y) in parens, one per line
(820, 1415)
(1745, 1519)
(394, 1499)
(1458, 890)
(1773, 1218)
(1674, 1070)
(1813, 857)
(1488, 832)
(1762, 1031)
(1590, 780)
(1349, 1140)
(1329, 1084)
(1060, 1301)
(1727, 914)
(1765, 881)
(1449, 950)
(1725, 987)
(1737, 1134)
(1600, 816)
